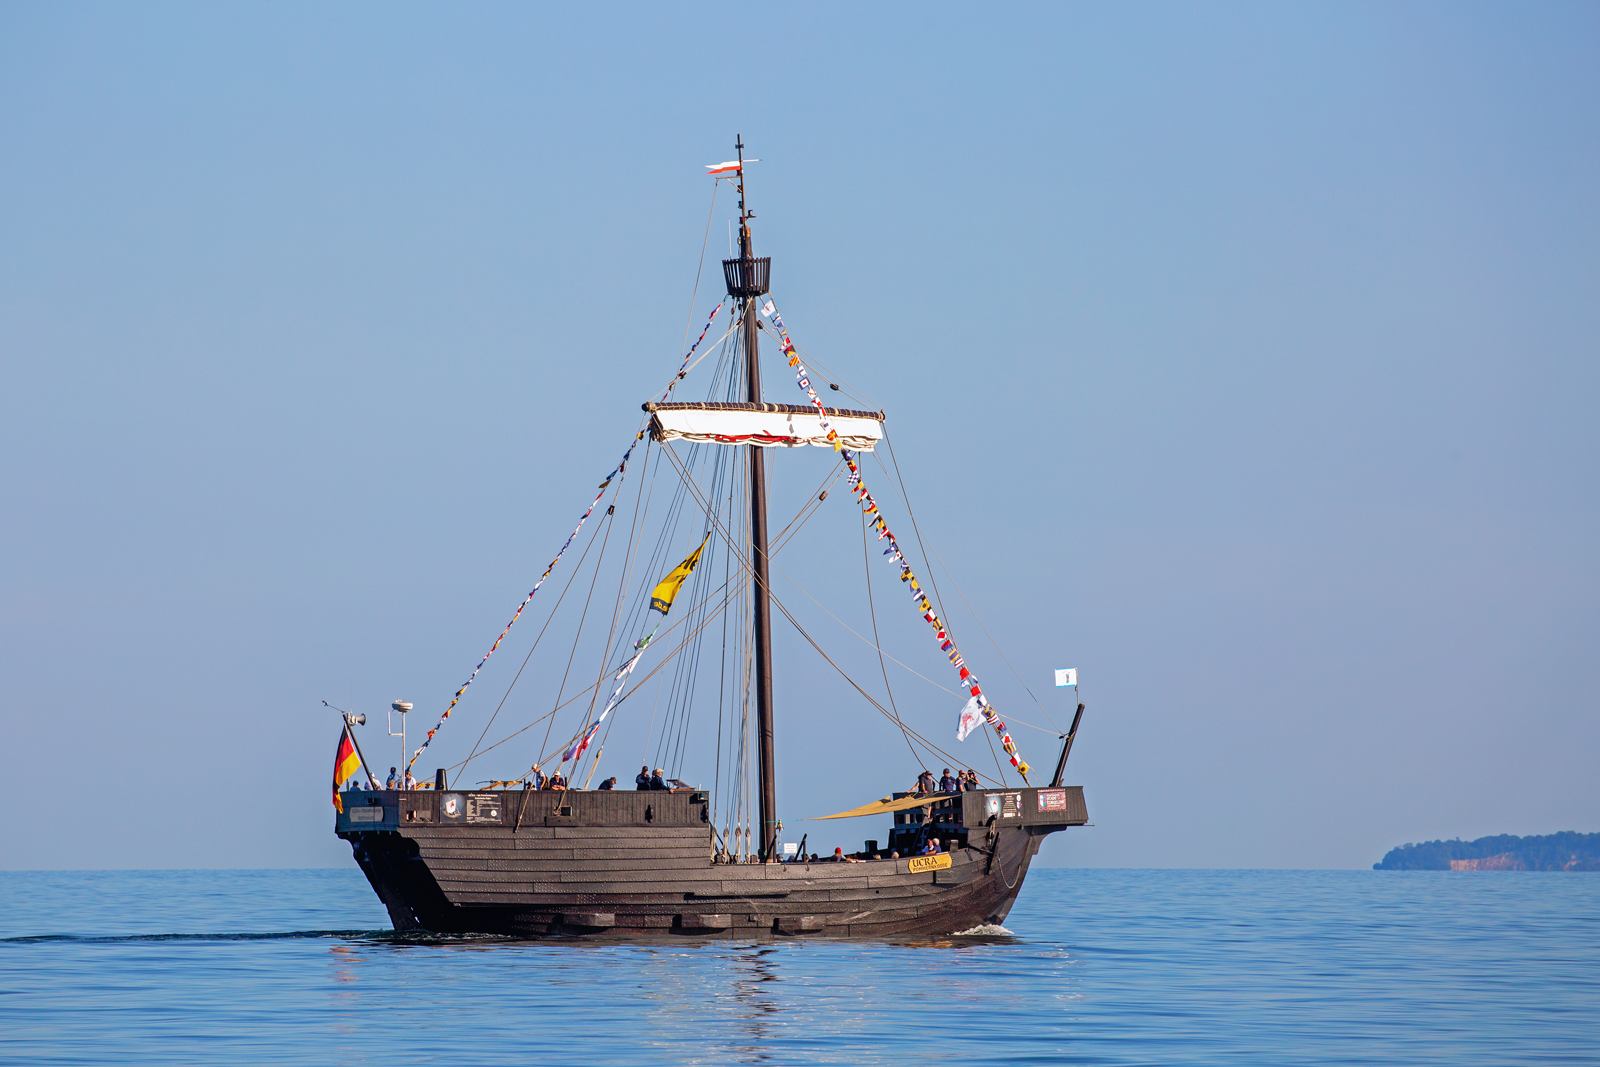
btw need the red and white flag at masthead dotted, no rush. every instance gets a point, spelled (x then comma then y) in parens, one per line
(726, 170)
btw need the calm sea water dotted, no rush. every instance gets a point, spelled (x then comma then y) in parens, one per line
(1113, 967)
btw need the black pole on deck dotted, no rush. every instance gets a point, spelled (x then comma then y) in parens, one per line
(1066, 748)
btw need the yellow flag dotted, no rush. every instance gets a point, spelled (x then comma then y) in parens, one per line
(662, 596)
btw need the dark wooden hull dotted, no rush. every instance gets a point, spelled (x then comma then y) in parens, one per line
(641, 863)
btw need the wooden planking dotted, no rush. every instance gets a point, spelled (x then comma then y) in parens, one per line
(434, 854)
(882, 895)
(670, 874)
(567, 876)
(880, 923)
(958, 875)
(639, 904)
(665, 902)
(694, 876)
(558, 875)
(701, 832)
(503, 837)
(887, 880)
(502, 834)
(623, 883)
(536, 913)
(703, 883)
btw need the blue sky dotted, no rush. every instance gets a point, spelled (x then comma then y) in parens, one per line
(1241, 356)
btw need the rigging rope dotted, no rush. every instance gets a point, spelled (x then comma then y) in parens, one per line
(576, 570)
(773, 597)
(784, 536)
(620, 468)
(870, 507)
(583, 618)
(683, 367)
(866, 558)
(1048, 717)
(685, 679)
(701, 266)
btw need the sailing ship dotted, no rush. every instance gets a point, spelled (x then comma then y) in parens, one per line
(525, 857)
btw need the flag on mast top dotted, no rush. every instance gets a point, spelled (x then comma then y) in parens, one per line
(730, 169)
(1067, 676)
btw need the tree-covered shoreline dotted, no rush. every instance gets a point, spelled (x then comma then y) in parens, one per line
(1566, 851)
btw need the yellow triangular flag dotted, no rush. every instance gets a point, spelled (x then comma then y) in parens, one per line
(662, 596)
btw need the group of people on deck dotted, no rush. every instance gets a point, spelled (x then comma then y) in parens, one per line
(963, 782)
(556, 782)
(932, 847)
(536, 779)
(648, 779)
(396, 780)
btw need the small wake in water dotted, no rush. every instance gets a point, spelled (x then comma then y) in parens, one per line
(986, 930)
(109, 939)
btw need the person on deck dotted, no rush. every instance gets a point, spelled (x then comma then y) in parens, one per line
(393, 781)
(972, 781)
(409, 782)
(609, 784)
(558, 782)
(536, 778)
(948, 784)
(925, 782)
(642, 779)
(931, 847)
(657, 781)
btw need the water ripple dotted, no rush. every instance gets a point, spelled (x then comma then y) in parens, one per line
(1094, 967)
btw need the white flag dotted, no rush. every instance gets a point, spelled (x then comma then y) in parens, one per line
(1067, 677)
(622, 680)
(768, 308)
(971, 716)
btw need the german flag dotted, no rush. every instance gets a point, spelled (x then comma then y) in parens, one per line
(345, 764)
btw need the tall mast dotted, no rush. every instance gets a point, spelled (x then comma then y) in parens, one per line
(747, 280)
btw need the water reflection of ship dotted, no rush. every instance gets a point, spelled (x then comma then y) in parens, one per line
(512, 859)
(759, 1005)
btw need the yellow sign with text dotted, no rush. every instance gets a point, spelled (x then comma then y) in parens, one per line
(938, 862)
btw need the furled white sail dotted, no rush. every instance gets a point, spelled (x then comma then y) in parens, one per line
(765, 425)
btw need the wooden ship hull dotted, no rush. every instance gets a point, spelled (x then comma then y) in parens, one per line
(537, 864)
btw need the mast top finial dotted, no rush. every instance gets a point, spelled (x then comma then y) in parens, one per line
(747, 275)
(745, 215)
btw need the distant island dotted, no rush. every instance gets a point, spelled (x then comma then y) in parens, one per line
(1567, 851)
